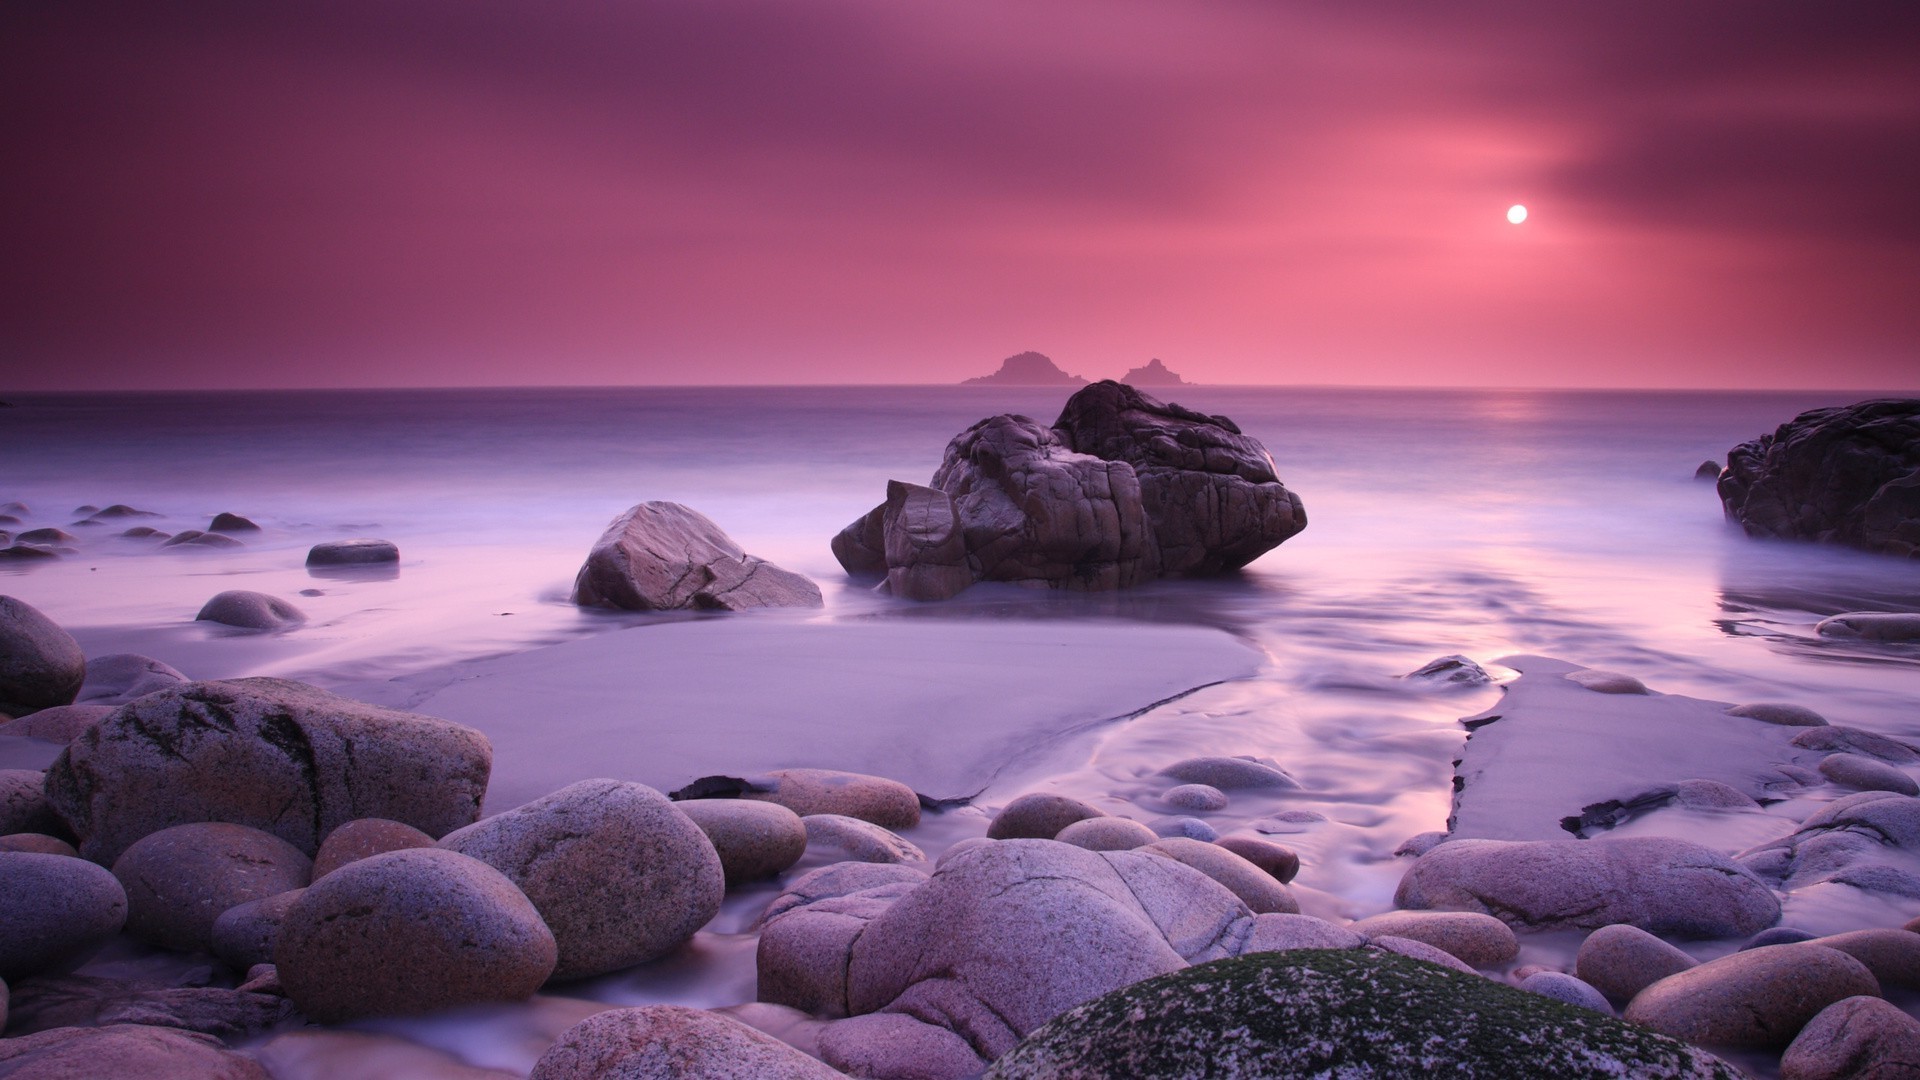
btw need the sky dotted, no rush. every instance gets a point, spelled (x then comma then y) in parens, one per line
(555, 192)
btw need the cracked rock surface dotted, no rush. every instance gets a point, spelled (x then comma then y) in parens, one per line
(662, 556)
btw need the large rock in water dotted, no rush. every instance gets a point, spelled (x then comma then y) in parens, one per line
(1321, 1012)
(279, 756)
(40, 664)
(1121, 490)
(659, 556)
(1847, 475)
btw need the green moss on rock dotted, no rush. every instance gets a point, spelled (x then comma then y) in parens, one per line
(1340, 1013)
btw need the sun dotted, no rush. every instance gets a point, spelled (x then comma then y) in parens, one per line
(1516, 213)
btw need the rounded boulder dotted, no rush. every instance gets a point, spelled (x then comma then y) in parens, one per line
(754, 840)
(40, 664)
(355, 552)
(1107, 834)
(1039, 815)
(672, 1042)
(620, 875)
(357, 839)
(411, 932)
(1481, 940)
(250, 610)
(1860, 1038)
(1255, 887)
(889, 804)
(1620, 961)
(179, 880)
(54, 911)
(1758, 999)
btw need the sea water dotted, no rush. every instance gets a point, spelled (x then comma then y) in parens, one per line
(1482, 522)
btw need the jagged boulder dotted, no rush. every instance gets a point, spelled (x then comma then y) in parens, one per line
(660, 556)
(1121, 490)
(1848, 475)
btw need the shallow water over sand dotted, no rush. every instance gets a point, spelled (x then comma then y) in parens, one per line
(1483, 523)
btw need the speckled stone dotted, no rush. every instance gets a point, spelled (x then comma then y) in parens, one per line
(1477, 939)
(1190, 828)
(1039, 815)
(1860, 1038)
(1203, 798)
(1779, 712)
(1230, 773)
(1758, 999)
(1255, 887)
(860, 840)
(250, 610)
(180, 880)
(672, 1042)
(1107, 834)
(1560, 986)
(1620, 961)
(244, 934)
(40, 664)
(889, 804)
(362, 837)
(896, 1045)
(117, 678)
(1866, 774)
(23, 803)
(1277, 932)
(1275, 859)
(755, 840)
(60, 724)
(1892, 955)
(620, 875)
(358, 551)
(411, 932)
(1296, 1013)
(54, 911)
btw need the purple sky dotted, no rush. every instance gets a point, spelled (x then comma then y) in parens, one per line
(453, 192)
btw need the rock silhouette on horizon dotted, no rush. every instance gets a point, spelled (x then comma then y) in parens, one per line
(1027, 369)
(1120, 491)
(1153, 373)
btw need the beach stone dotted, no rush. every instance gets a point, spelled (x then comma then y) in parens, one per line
(618, 873)
(23, 803)
(229, 522)
(197, 539)
(808, 936)
(54, 911)
(1607, 682)
(1878, 878)
(889, 804)
(1453, 670)
(861, 840)
(357, 839)
(37, 842)
(1892, 955)
(28, 552)
(1121, 490)
(272, 754)
(755, 840)
(117, 678)
(1107, 834)
(1777, 935)
(1708, 470)
(40, 664)
(1199, 797)
(1758, 999)
(123, 1052)
(122, 510)
(1419, 950)
(49, 535)
(1657, 883)
(1863, 625)
(1281, 862)
(1479, 940)
(1843, 475)
(1230, 773)
(1781, 713)
(230, 1015)
(179, 880)
(1255, 887)
(144, 532)
(1419, 844)
(1184, 828)
(356, 552)
(410, 932)
(1711, 795)
(1859, 1038)
(1621, 960)
(842, 879)
(1837, 738)
(662, 556)
(1000, 941)
(250, 611)
(672, 1042)
(898, 1046)
(1313, 1012)
(1039, 815)
(59, 724)
(1278, 931)
(1867, 774)
(243, 935)
(1560, 986)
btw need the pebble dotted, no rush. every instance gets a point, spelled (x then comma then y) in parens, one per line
(1204, 798)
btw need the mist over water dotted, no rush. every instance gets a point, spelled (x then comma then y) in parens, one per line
(1479, 522)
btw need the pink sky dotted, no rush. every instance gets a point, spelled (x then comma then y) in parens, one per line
(442, 192)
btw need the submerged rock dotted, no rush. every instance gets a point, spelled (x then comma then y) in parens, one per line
(1848, 475)
(224, 522)
(117, 678)
(250, 611)
(40, 664)
(661, 556)
(280, 756)
(354, 552)
(1314, 1012)
(1121, 490)
(1872, 626)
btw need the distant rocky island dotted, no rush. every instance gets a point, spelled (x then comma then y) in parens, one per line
(1038, 369)
(1153, 373)
(1027, 369)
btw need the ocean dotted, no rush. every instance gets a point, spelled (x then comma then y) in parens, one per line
(1478, 522)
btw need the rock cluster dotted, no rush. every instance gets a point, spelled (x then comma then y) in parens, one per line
(1121, 490)
(662, 556)
(1847, 475)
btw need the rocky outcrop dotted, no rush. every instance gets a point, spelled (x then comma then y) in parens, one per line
(662, 556)
(1153, 373)
(1848, 475)
(1121, 490)
(1026, 369)
(279, 756)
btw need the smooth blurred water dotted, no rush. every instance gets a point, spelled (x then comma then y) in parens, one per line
(1458, 521)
